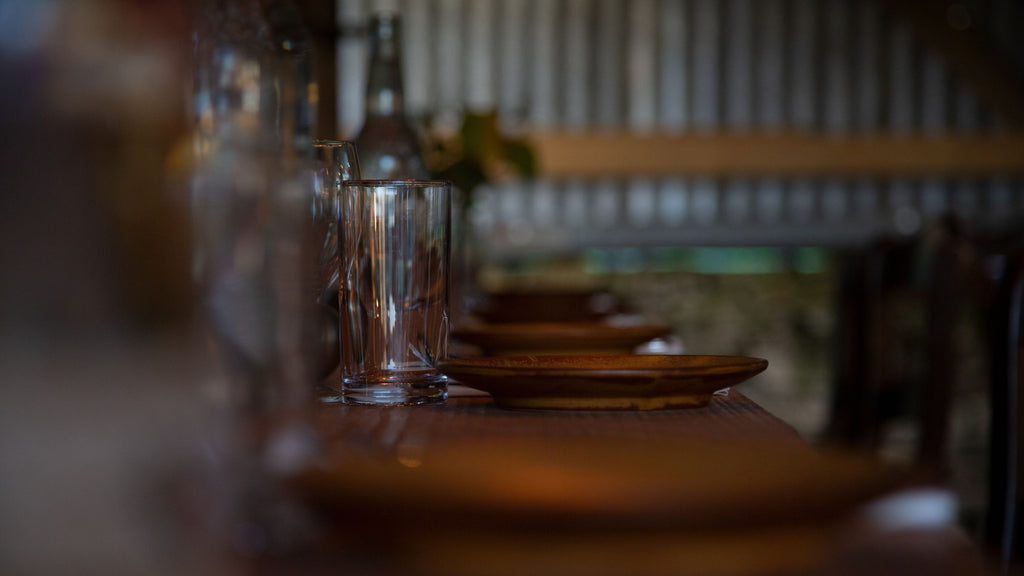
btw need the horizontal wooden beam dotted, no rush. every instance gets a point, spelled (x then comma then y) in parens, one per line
(597, 155)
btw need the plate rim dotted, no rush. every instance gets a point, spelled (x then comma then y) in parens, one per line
(628, 388)
(744, 363)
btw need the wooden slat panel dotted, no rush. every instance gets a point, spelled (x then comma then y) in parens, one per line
(672, 202)
(417, 32)
(965, 198)
(641, 71)
(544, 209)
(770, 64)
(608, 72)
(480, 79)
(641, 203)
(836, 93)
(351, 68)
(577, 64)
(543, 64)
(804, 98)
(673, 43)
(934, 95)
(607, 206)
(448, 68)
(867, 116)
(801, 197)
(965, 109)
(1000, 198)
(706, 83)
(577, 203)
(970, 57)
(739, 69)
(835, 200)
(901, 79)
(512, 61)
(704, 201)
(768, 196)
(623, 155)
(902, 199)
(738, 201)
(934, 201)
(866, 199)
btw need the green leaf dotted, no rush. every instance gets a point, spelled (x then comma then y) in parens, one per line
(466, 175)
(520, 156)
(480, 137)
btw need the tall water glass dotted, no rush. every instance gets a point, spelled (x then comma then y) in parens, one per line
(335, 162)
(396, 246)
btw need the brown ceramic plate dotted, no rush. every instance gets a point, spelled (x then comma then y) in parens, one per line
(546, 306)
(603, 382)
(517, 339)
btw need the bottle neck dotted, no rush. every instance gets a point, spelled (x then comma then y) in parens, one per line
(384, 89)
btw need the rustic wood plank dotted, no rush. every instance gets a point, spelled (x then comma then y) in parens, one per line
(618, 155)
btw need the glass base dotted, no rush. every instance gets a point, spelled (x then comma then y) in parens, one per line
(433, 390)
(328, 395)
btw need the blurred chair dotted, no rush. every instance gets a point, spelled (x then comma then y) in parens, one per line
(1003, 535)
(899, 301)
(883, 374)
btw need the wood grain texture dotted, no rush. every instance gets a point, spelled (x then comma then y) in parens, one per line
(621, 155)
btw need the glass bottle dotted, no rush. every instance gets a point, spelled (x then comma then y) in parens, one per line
(388, 147)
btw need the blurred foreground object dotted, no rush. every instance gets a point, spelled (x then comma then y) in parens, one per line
(336, 162)
(254, 259)
(595, 506)
(252, 201)
(100, 430)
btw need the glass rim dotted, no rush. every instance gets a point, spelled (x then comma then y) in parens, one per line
(373, 183)
(329, 143)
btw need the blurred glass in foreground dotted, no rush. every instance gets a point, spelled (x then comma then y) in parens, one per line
(101, 427)
(252, 201)
(255, 256)
(336, 162)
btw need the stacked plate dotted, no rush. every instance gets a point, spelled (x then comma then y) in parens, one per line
(568, 351)
(522, 338)
(602, 382)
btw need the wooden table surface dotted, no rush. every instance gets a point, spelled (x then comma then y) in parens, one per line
(461, 550)
(468, 414)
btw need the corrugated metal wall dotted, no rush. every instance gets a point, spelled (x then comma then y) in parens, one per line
(680, 66)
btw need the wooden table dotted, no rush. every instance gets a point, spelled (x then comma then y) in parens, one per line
(468, 414)
(489, 548)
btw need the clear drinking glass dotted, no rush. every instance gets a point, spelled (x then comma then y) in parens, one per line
(335, 162)
(396, 252)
